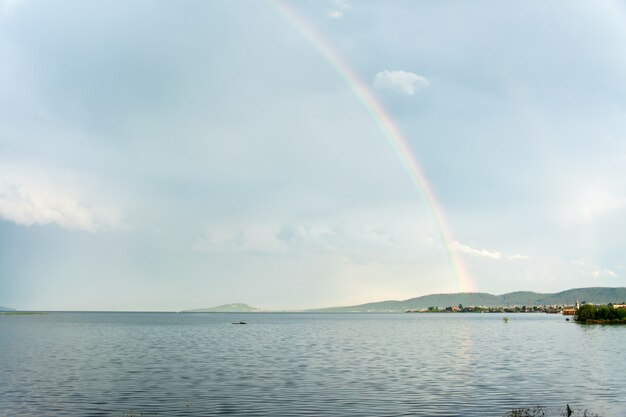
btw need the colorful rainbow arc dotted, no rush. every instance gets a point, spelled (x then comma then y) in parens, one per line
(390, 132)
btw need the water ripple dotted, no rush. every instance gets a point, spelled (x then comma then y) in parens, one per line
(102, 364)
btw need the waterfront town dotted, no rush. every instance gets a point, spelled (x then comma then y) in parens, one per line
(566, 310)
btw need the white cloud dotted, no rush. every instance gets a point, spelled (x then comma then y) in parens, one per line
(338, 7)
(593, 270)
(29, 204)
(603, 273)
(488, 254)
(402, 82)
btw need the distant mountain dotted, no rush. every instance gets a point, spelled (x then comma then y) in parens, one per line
(6, 309)
(596, 295)
(225, 308)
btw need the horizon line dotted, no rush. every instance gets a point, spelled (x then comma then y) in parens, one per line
(287, 310)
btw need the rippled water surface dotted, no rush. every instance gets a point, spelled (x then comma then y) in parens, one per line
(68, 364)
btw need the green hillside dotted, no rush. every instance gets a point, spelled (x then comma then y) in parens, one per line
(225, 308)
(596, 295)
(435, 300)
(592, 295)
(444, 300)
(522, 298)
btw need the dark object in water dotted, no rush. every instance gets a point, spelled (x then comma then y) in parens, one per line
(541, 411)
(241, 322)
(567, 319)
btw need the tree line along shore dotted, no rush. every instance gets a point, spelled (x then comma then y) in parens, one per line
(601, 314)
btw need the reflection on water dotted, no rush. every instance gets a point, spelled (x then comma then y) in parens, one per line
(306, 364)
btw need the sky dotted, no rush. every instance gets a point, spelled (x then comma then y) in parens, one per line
(162, 155)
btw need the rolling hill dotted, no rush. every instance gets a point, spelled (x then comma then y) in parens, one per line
(225, 308)
(596, 295)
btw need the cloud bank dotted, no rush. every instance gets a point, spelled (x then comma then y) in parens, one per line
(401, 82)
(28, 204)
(488, 254)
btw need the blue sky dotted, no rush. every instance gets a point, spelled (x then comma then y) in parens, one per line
(158, 155)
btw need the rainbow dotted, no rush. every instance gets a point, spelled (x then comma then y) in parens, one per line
(389, 131)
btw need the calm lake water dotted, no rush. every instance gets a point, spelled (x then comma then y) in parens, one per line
(70, 364)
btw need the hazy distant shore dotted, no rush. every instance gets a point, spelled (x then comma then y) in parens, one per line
(518, 301)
